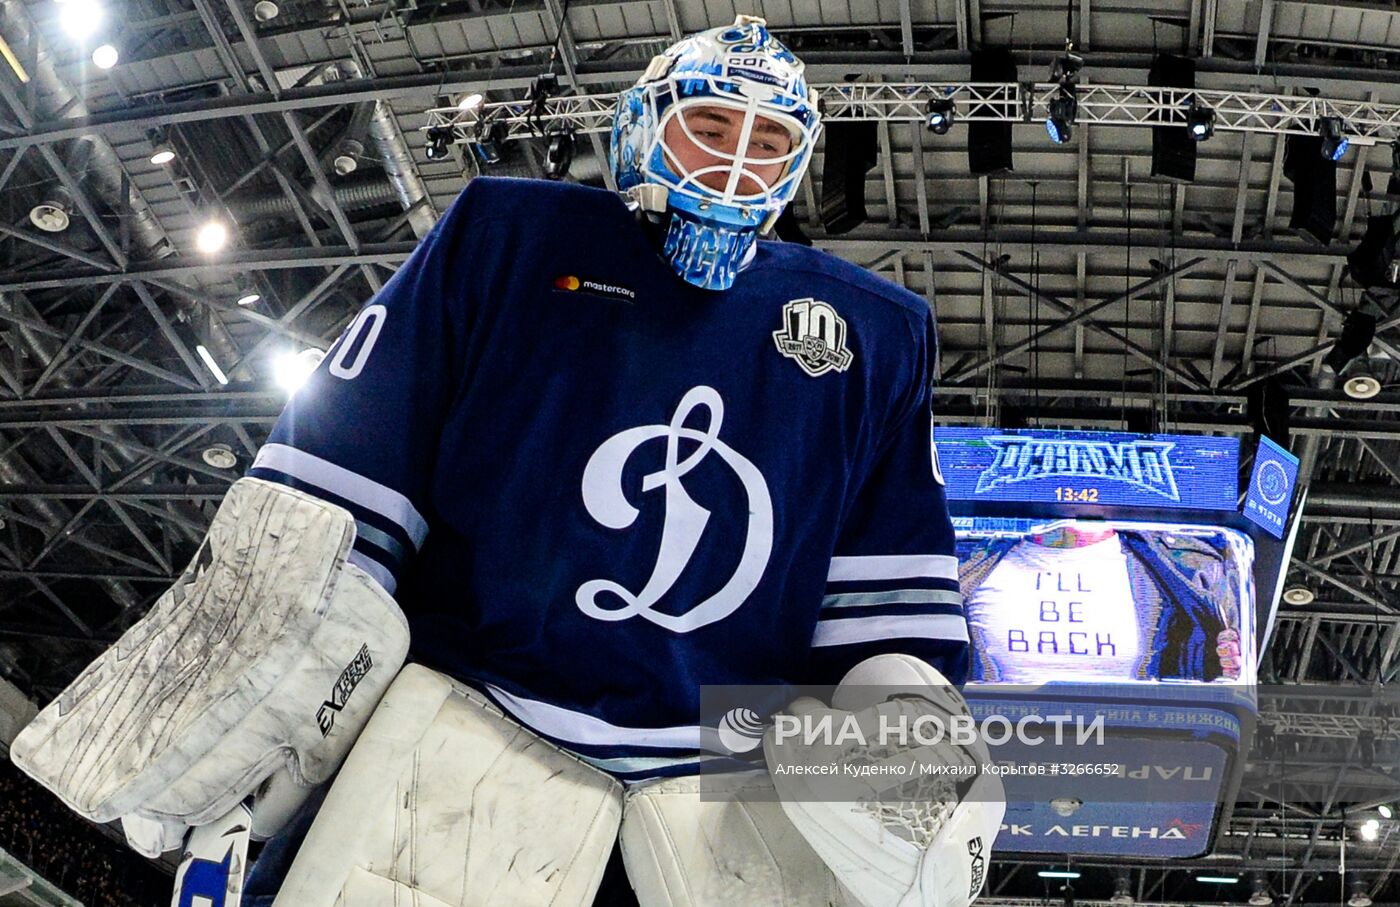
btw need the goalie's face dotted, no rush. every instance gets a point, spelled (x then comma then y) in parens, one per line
(706, 144)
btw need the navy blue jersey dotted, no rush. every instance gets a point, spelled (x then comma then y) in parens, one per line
(593, 487)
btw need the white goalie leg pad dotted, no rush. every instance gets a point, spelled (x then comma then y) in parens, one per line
(719, 841)
(268, 654)
(904, 841)
(446, 802)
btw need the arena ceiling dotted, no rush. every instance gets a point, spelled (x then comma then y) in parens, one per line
(1076, 290)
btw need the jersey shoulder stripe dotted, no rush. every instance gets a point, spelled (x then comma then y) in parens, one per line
(377, 498)
(949, 627)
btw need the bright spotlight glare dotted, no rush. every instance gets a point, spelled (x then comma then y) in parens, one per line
(105, 57)
(470, 102)
(1386, 810)
(211, 237)
(80, 18)
(292, 370)
(249, 298)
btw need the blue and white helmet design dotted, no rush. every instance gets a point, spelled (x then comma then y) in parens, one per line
(746, 175)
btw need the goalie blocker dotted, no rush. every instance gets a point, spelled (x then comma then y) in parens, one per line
(255, 671)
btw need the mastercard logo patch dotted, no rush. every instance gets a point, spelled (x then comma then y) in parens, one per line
(570, 283)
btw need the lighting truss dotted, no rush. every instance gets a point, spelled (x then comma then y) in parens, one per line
(1367, 122)
(1309, 724)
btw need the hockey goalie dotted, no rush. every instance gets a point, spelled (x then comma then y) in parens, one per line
(587, 452)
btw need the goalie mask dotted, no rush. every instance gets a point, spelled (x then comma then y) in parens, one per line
(714, 139)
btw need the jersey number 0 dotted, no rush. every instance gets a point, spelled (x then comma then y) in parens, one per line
(358, 341)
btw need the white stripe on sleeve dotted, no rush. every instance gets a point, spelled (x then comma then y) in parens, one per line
(895, 566)
(898, 597)
(343, 483)
(950, 627)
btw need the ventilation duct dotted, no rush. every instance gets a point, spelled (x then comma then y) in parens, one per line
(397, 159)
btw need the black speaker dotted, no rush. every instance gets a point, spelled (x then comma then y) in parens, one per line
(1011, 417)
(1139, 421)
(1173, 149)
(1371, 261)
(989, 144)
(1358, 330)
(1314, 179)
(1267, 406)
(852, 149)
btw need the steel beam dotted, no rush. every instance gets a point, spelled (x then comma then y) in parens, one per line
(1132, 347)
(1075, 316)
(864, 243)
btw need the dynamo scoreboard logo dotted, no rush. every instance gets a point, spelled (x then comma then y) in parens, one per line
(1140, 463)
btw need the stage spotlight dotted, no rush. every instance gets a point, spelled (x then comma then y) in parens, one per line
(439, 140)
(1370, 830)
(1386, 810)
(470, 101)
(559, 153)
(489, 140)
(249, 298)
(1064, 107)
(211, 237)
(105, 56)
(1298, 596)
(940, 115)
(80, 18)
(1334, 142)
(1200, 121)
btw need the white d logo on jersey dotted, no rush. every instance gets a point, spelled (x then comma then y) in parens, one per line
(685, 520)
